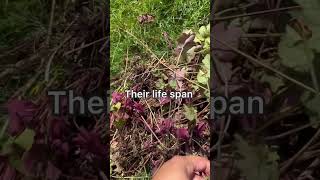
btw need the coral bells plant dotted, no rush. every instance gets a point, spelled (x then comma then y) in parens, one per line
(147, 131)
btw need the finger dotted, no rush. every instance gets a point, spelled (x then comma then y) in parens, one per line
(199, 164)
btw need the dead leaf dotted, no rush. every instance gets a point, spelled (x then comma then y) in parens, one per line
(146, 19)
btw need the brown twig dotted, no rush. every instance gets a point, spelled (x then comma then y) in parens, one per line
(288, 132)
(286, 165)
(47, 70)
(86, 45)
(257, 13)
(256, 61)
(53, 5)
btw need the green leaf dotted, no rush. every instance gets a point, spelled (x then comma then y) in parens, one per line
(120, 123)
(160, 84)
(173, 84)
(206, 62)
(310, 10)
(204, 31)
(25, 139)
(190, 112)
(199, 38)
(308, 14)
(207, 93)
(202, 77)
(313, 109)
(314, 42)
(256, 162)
(294, 53)
(116, 107)
(17, 162)
(274, 82)
(6, 147)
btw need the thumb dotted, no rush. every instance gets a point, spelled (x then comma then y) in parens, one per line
(198, 164)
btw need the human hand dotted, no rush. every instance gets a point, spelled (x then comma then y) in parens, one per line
(184, 168)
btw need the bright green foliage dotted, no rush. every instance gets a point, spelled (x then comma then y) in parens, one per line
(309, 15)
(203, 37)
(190, 112)
(297, 52)
(115, 107)
(313, 108)
(173, 84)
(25, 140)
(294, 52)
(16, 148)
(204, 73)
(310, 11)
(256, 162)
(160, 84)
(274, 82)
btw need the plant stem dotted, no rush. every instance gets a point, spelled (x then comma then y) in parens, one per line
(257, 13)
(3, 130)
(314, 78)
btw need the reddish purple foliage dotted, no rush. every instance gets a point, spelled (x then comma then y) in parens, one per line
(165, 126)
(230, 36)
(58, 127)
(117, 97)
(128, 104)
(182, 133)
(200, 128)
(53, 173)
(36, 156)
(61, 148)
(138, 107)
(8, 174)
(20, 114)
(90, 142)
(164, 100)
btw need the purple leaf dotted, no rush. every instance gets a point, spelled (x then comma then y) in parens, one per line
(90, 141)
(53, 173)
(36, 156)
(182, 133)
(165, 126)
(9, 173)
(138, 107)
(200, 128)
(231, 36)
(61, 148)
(164, 100)
(128, 104)
(58, 127)
(65, 149)
(116, 97)
(20, 114)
